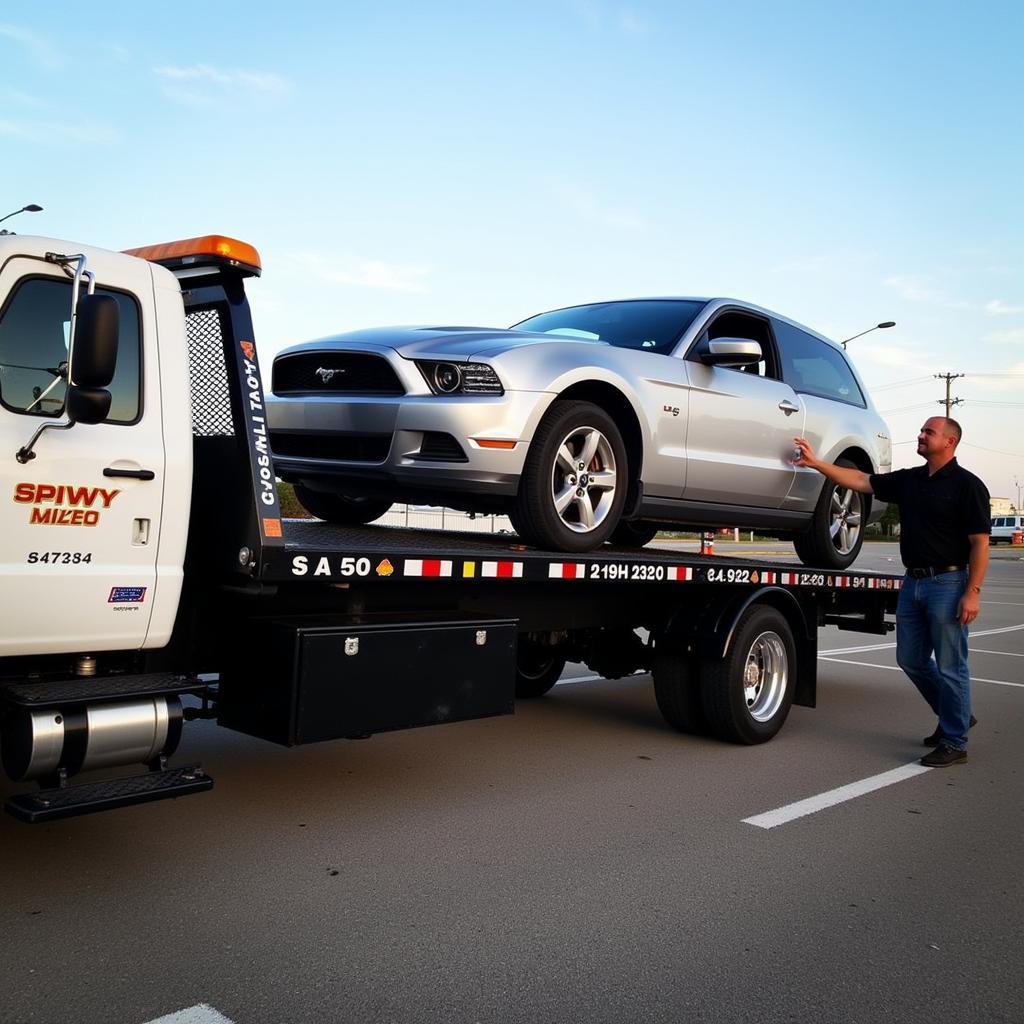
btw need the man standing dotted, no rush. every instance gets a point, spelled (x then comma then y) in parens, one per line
(944, 530)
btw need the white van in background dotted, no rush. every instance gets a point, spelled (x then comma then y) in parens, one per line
(1004, 527)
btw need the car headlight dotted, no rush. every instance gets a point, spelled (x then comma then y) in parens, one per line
(460, 378)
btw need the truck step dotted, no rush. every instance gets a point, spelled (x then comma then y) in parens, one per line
(99, 689)
(70, 801)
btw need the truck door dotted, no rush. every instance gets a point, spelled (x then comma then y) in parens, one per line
(81, 520)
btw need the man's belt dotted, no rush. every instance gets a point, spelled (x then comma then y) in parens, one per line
(934, 570)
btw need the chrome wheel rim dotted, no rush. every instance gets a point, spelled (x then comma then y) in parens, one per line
(845, 517)
(765, 676)
(583, 479)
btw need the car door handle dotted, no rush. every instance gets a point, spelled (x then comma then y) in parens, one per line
(137, 474)
(788, 407)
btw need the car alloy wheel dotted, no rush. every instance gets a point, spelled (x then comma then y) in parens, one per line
(573, 485)
(847, 516)
(584, 479)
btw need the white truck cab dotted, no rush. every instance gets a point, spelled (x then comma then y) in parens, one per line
(95, 516)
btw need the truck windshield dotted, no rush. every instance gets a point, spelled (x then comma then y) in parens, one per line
(653, 325)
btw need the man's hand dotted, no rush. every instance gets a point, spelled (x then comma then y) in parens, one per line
(804, 453)
(969, 606)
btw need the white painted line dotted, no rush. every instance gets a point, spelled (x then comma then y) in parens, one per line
(198, 1014)
(896, 668)
(981, 650)
(834, 796)
(889, 646)
(593, 679)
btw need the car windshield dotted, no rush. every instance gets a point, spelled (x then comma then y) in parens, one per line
(654, 325)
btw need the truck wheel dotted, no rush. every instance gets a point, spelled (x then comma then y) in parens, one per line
(837, 528)
(340, 509)
(747, 695)
(574, 480)
(677, 690)
(538, 668)
(633, 535)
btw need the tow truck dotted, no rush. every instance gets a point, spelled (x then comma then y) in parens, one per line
(148, 578)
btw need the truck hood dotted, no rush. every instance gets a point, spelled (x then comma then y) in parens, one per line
(457, 344)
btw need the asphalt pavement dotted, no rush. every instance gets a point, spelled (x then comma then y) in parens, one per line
(578, 861)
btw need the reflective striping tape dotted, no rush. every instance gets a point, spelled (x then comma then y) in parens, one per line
(679, 573)
(426, 567)
(468, 570)
(501, 570)
(566, 571)
(769, 577)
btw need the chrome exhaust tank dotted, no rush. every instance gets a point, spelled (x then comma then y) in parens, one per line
(40, 743)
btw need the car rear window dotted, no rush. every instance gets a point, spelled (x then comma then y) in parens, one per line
(813, 367)
(651, 325)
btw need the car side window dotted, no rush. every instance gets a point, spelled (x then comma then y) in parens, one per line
(734, 324)
(34, 329)
(813, 367)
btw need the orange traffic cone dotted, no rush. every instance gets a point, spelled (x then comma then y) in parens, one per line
(707, 543)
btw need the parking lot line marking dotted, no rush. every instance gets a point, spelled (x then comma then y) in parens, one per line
(981, 650)
(812, 804)
(201, 1013)
(891, 645)
(896, 668)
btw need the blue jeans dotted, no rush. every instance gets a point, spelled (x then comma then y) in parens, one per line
(931, 647)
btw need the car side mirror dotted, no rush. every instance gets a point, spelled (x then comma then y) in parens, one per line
(730, 352)
(94, 355)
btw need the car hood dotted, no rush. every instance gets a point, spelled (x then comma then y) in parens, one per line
(454, 343)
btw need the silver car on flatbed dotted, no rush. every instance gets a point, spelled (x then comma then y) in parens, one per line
(599, 422)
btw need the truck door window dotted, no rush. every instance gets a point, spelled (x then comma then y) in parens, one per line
(34, 330)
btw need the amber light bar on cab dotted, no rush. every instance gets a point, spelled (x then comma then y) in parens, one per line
(207, 250)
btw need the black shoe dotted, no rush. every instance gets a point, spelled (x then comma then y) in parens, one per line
(943, 756)
(936, 737)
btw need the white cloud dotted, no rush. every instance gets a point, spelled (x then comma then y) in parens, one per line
(587, 205)
(254, 82)
(1014, 336)
(919, 288)
(357, 273)
(885, 355)
(40, 50)
(999, 308)
(54, 133)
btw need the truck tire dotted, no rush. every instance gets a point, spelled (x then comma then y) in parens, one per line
(339, 508)
(574, 479)
(633, 534)
(538, 668)
(677, 691)
(837, 528)
(747, 695)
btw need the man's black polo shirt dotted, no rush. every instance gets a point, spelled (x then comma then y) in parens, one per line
(937, 512)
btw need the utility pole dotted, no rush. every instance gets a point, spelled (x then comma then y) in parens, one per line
(947, 401)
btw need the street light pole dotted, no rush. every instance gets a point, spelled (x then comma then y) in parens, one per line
(877, 327)
(31, 208)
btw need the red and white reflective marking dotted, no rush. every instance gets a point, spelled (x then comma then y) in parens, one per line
(678, 573)
(769, 577)
(567, 571)
(426, 567)
(502, 570)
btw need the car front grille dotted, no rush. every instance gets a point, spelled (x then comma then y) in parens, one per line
(338, 447)
(335, 373)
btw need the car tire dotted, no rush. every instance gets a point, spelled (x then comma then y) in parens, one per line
(574, 479)
(339, 508)
(836, 533)
(677, 691)
(747, 695)
(633, 534)
(538, 668)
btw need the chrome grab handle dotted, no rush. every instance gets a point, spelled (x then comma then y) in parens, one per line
(788, 407)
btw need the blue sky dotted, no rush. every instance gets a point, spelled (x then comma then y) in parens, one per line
(394, 162)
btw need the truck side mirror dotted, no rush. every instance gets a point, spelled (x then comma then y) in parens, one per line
(86, 405)
(94, 355)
